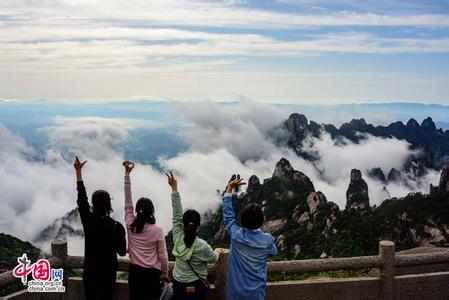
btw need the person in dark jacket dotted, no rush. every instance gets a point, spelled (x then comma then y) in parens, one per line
(104, 238)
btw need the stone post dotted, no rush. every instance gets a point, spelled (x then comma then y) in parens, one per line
(221, 271)
(387, 252)
(59, 252)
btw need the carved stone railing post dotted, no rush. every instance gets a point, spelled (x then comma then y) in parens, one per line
(221, 270)
(59, 249)
(59, 254)
(387, 252)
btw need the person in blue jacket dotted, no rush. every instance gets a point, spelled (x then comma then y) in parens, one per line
(250, 248)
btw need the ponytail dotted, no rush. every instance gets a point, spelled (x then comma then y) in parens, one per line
(191, 220)
(145, 214)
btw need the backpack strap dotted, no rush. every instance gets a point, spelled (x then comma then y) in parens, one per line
(206, 284)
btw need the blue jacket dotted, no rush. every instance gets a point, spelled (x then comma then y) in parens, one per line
(247, 260)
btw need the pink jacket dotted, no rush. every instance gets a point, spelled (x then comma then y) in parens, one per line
(146, 249)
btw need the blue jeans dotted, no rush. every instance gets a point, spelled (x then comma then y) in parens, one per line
(180, 290)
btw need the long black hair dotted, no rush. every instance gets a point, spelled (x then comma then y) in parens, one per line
(145, 214)
(191, 220)
(101, 203)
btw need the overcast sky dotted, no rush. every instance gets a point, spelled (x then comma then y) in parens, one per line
(297, 51)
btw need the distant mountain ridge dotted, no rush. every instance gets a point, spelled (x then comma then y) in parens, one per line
(433, 142)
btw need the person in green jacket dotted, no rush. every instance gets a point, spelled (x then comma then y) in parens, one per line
(192, 253)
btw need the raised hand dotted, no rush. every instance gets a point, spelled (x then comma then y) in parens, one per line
(234, 183)
(129, 166)
(219, 251)
(172, 181)
(78, 165)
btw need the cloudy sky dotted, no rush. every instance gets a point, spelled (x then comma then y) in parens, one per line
(302, 51)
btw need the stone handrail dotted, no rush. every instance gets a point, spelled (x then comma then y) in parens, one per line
(386, 261)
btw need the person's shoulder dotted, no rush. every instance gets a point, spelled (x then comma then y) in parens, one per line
(200, 243)
(266, 236)
(116, 223)
(158, 229)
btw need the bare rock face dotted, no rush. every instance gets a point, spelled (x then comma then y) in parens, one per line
(62, 228)
(274, 226)
(394, 175)
(443, 186)
(444, 180)
(280, 242)
(356, 175)
(357, 193)
(330, 222)
(296, 123)
(315, 200)
(253, 184)
(378, 174)
(297, 249)
(222, 233)
(436, 235)
(285, 171)
(299, 217)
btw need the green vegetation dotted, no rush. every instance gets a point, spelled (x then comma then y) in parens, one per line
(331, 232)
(10, 249)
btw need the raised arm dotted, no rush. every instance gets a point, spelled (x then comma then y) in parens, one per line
(228, 210)
(83, 204)
(228, 215)
(205, 253)
(176, 205)
(129, 206)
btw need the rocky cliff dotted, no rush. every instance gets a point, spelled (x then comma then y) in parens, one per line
(68, 225)
(357, 193)
(306, 224)
(443, 186)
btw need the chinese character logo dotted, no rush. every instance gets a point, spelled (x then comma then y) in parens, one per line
(23, 268)
(41, 270)
(45, 279)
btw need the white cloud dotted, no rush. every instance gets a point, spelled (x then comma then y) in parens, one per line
(56, 48)
(203, 13)
(243, 129)
(93, 136)
(221, 140)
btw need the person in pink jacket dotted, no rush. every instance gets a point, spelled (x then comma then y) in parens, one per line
(146, 246)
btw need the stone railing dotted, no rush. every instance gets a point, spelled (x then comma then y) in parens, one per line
(396, 278)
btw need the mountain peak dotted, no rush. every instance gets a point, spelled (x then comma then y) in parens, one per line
(285, 171)
(357, 193)
(444, 179)
(358, 123)
(428, 124)
(253, 184)
(296, 122)
(412, 123)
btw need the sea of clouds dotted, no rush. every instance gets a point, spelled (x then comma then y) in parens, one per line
(221, 139)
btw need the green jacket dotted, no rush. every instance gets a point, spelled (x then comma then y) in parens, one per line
(199, 254)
